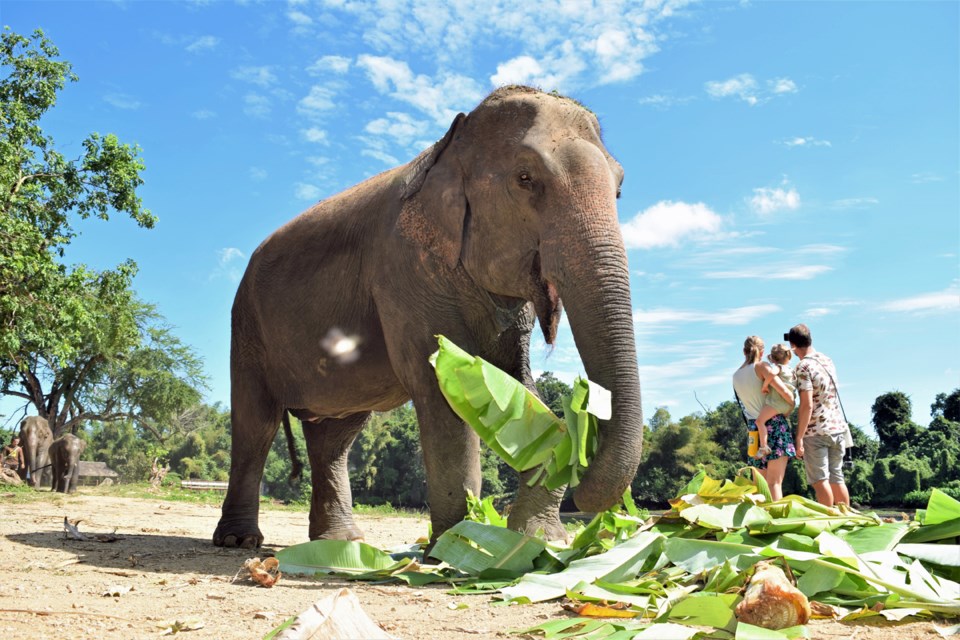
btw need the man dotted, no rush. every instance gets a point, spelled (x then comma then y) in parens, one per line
(821, 427)
(13, 455)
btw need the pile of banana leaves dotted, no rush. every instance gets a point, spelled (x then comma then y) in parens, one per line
(679, 575)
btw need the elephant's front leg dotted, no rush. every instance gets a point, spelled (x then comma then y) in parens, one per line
(451, 458)
(536, 509)
(331, 505)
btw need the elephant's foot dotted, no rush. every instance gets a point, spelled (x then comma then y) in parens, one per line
(242, 534)
(549, 524)
(351, 532)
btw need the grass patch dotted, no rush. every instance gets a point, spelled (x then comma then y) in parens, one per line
(387, 510)
(174, 493)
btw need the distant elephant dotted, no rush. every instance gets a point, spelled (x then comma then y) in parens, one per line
(65, 455)
(476, 238)
(35, 438)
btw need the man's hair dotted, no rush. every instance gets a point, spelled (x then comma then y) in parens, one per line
(799, 336)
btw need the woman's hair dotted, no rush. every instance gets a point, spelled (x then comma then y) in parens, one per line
(780, 353)
(752, 347)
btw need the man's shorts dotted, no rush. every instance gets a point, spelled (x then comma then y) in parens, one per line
(823, 457)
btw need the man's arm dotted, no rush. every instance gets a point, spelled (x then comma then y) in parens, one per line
(803, 418)
(23, 462)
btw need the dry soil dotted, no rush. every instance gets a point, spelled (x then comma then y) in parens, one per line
(165, 570)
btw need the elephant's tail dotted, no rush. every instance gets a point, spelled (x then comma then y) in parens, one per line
(296, 466)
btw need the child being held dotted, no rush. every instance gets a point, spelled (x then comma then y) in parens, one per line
(779, 376)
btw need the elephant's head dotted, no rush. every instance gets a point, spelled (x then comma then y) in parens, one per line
(522, 193)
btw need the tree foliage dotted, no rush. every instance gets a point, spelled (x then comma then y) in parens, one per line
(75, 343)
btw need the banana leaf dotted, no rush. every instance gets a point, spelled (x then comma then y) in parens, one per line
(335, 556)
(474, 548)
(515, 423)
(941, 508)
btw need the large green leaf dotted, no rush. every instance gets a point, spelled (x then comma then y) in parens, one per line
(947, 555)
(876, 538)
(695, 556)
(749, 632)
(615, 563)
(515, 423)
(707, 610)
(941, 508)
(335, 556)
(473, 548)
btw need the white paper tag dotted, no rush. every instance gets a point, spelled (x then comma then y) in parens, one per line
(600, 401)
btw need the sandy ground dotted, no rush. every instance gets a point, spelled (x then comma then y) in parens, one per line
(165, 569)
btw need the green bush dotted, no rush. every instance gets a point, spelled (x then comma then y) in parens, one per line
(918, 499)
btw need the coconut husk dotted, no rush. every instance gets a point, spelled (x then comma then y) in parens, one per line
(771, 601)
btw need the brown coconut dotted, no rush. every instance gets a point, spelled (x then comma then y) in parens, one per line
(771, 601)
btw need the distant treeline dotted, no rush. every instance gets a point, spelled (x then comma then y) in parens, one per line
(897, 469)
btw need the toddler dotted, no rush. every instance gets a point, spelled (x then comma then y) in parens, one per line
(781, 378)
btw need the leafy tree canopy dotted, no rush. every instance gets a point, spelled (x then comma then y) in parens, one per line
(75, 343)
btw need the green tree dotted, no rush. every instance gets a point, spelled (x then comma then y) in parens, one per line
(947, 406)
(891, 420)
(552, 391)
(75, 343)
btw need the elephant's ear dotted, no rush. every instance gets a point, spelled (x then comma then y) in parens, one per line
(434, 203)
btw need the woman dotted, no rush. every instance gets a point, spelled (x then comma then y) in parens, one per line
(747, 382)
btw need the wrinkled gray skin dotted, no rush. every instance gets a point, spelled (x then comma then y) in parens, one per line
(65, 456)
(35, 438)
(479, 236)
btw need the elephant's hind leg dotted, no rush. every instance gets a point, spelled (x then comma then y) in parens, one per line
(255, 419)
(331, 506)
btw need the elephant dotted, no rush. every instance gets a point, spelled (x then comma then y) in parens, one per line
(35, 438)
(65, 455)
(509, 216)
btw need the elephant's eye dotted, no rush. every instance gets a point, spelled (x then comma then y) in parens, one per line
(525, 179)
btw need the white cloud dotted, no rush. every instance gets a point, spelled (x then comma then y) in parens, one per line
(925, 177)
(733, 316)
(807, 142)
(817, 312)
(782, 85)
(203, 43)
(441, 98)
(854, 203)
(330, 64)
(667, 223)
(203, 114)
(315, 134)
(258, 174)
(382, 156)
(305, 191)
(259, 75)
(256, 105)
(299, 18)
(746, 88)
(319, 99)
(743, 86)
(401, 127)
(230, 264)
(522, 70)
(775, 272)
(575, 43)
(766, 201)
(947, 300)
(661, 101)
(122, 101)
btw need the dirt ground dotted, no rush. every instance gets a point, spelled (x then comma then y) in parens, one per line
(165, 569)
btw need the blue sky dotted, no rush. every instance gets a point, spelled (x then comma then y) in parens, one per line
(785, 161)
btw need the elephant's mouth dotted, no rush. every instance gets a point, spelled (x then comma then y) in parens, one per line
(546, 301)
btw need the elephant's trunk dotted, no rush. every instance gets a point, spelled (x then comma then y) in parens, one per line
(588, 264)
